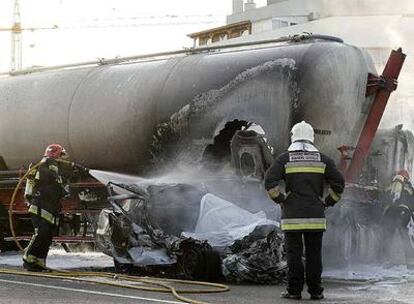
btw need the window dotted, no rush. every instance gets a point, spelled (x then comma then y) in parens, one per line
(277, 23)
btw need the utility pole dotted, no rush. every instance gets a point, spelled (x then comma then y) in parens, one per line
(16, 39)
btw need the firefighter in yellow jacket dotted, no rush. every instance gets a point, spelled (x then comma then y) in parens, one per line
(304, 170)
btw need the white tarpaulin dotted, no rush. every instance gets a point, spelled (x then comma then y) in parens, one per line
(221, 222)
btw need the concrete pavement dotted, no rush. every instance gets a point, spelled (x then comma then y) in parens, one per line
(22, 290)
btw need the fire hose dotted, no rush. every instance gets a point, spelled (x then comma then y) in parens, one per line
(13, 198)
(160, 283)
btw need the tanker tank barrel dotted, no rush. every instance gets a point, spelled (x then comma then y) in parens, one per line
(156, 89)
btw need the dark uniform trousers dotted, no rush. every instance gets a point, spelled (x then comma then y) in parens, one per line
(313, 257)
(42, 237)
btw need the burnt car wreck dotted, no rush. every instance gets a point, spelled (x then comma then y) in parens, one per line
(173, 229)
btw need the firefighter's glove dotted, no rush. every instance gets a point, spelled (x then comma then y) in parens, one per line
(275, 194)
(332, 199)
(329, 202)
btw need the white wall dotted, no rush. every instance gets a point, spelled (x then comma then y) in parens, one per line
(275, 23)
(261, 26)
(327, 8)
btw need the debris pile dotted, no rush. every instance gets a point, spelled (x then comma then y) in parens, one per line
(224, 239)
(257, 258)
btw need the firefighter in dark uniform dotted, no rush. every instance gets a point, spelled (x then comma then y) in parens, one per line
(304, 171)
(45, 187)
(398, 217)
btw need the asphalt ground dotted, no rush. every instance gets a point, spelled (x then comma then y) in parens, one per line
(20, 289)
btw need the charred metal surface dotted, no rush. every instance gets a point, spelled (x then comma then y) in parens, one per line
(257, 258)
(174, 136)
(218, 154)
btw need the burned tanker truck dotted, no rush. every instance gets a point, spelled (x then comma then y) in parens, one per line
(201, 125)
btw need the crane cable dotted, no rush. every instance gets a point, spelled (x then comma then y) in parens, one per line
(162, 284)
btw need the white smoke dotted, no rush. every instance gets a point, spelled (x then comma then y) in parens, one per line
(380, 26)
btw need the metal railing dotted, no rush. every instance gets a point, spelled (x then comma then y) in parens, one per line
(164, 55)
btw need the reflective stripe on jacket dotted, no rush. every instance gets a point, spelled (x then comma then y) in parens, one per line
(305, 174)
(44, 214)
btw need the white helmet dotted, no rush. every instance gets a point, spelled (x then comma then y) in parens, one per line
(302, 131)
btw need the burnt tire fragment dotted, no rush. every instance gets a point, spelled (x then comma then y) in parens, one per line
(199, 262)
(123, 268)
